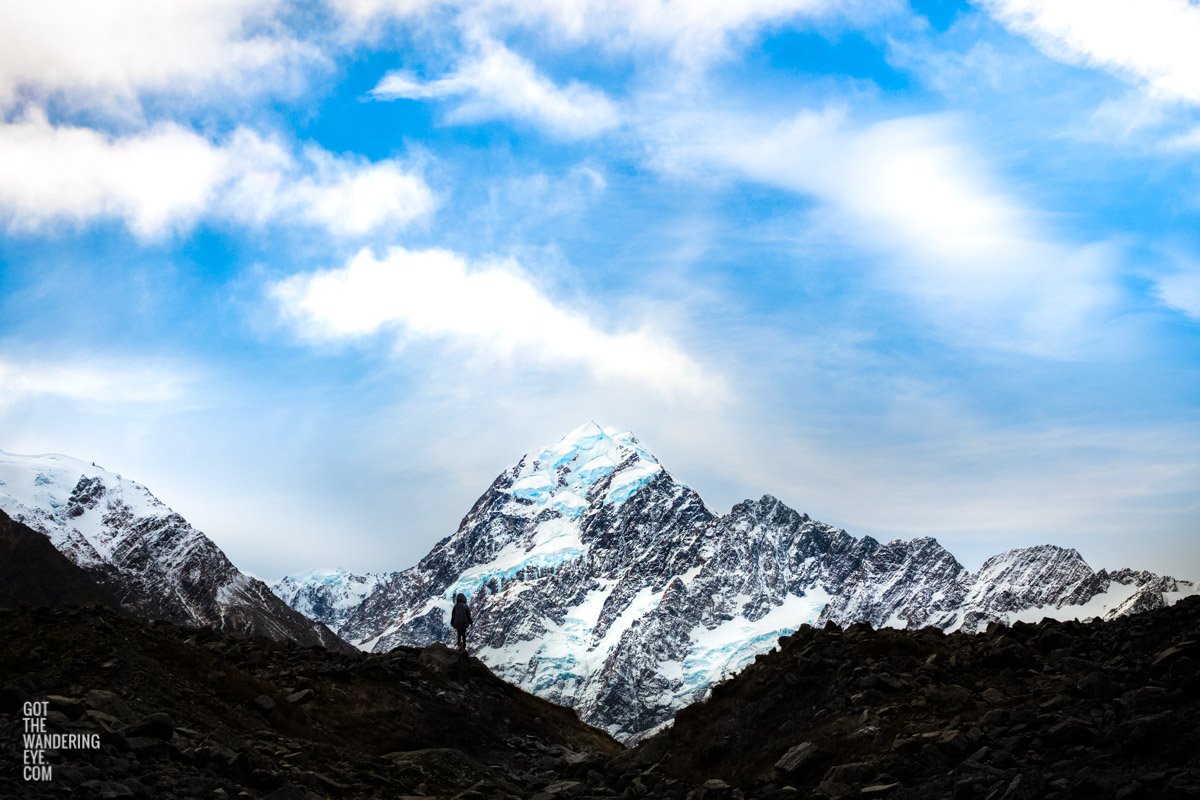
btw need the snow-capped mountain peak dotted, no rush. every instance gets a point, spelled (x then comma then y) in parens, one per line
(327, 595)
(598, 581)
(589, 464)
(149, 557)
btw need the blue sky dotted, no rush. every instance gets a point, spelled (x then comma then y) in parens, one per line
(316, 273)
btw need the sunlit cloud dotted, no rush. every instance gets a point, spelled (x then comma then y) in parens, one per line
(167, 177)
(102, 55)
(435, 294)
(1150, 43)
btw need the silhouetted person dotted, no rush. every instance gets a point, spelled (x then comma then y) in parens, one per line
(460, 620)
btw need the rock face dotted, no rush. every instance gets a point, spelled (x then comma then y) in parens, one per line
(327, 596)
(1053, 710)
(152, 561)
(600, 582)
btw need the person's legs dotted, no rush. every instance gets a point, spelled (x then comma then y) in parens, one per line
(462, 639)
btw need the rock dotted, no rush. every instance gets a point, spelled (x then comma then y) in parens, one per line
(798, 756)
(69, 707)
(302, 696)
(109, 703)
(992, 696)
(560, 789)
(264, 703)
(156, 726)
(716, 789)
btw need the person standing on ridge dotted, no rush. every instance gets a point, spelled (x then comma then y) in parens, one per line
(460, 620)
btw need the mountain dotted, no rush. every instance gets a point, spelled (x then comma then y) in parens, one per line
(34, 574)
(327, 596)
(600, 582)
(151, 560)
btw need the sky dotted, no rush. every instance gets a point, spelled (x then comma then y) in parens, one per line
(317, 272)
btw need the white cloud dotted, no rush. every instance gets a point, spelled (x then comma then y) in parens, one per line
(908, 190)
(1180, 289)
(495, 82)
(347, 196)
(89, 382)
(1152, 43)
(104, 54)
(492, 308)
(168, 176)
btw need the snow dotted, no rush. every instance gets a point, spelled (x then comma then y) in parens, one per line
(35, 488)
(1183, 589)
(554, 542)
(732, 645)
(629, 480)
(1098, 606)
(597, 468)
(537, 486)
(43, 481)
(560, 476)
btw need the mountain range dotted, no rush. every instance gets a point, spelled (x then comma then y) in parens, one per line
(596, 579)
(600, 582)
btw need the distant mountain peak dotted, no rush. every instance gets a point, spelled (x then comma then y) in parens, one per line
(151, 558)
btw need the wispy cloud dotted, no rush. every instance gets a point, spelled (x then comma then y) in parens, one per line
(495, 82)
(492, 308)
(1151, 43)
(1180, 287)
(692, 31)
(91, 382)
(925, 205)
(169, 176)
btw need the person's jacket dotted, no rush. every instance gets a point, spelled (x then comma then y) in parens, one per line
(460, 617)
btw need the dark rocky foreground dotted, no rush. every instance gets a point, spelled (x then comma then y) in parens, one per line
(1055, 710)
(187, 712)
(1048, 711)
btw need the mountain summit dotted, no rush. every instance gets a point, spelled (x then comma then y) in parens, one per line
(600, 582)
